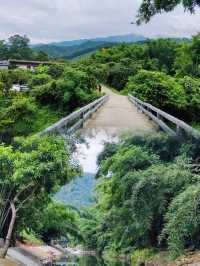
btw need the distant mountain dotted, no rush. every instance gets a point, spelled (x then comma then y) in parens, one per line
(72, 49)
(79, 193)
(110, 39)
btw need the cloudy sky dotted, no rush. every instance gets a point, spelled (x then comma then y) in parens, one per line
(56, 20)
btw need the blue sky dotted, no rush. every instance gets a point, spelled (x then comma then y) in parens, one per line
(57, 20)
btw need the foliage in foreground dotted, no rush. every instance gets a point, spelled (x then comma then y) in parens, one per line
(148, 9)
(152, 198)
(31, 171)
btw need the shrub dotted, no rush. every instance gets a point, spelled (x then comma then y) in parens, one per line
(142, 256)
(158, 89)
(55, 71)
(191, 88)
(17, 118)
(39, 79)
(135, 205)
(182, 227)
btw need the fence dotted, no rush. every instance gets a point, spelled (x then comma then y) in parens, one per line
(163, 119)
(76, 120)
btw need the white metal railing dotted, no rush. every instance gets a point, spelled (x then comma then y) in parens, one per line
(76, 120)
(158, 116)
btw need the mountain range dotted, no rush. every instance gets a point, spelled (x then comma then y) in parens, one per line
(75, 48)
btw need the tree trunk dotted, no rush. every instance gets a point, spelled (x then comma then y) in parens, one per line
(4, 250)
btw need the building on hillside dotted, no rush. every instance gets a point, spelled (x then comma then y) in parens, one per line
(26, 64)
(4, 64)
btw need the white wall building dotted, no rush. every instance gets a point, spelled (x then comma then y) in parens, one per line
(4, 64)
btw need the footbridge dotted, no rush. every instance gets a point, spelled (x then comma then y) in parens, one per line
(121, 113)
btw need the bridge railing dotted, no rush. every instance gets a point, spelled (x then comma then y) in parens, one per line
(76, 120)
(162, 119)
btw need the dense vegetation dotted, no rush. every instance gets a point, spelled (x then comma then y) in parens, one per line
(150, 201)
(32, 170)
(150, 198)
(163, 72)
(53, 92)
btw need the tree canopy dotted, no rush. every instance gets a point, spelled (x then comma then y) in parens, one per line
(149, 8)
(151, 198)
(32, 170)
(18, 47)
(54, 91)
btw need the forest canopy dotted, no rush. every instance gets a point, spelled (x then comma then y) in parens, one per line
(163, 72)
(151, 198)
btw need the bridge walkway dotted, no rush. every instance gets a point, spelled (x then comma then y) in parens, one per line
(119, 114)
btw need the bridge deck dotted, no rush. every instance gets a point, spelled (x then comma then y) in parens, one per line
(118, 113)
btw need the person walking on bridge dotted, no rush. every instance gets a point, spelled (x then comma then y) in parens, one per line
(99, 88)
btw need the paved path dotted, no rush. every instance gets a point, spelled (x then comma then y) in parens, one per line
(120, 114)
(7, 262)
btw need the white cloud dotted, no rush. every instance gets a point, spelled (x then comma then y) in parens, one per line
(55, 20)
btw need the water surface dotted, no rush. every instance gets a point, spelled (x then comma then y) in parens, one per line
(89, 261)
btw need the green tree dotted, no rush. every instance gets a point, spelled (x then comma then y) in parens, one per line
(20, 76)
(192, 91)
(39, 79)
(6, 79)
(55, 221)
(40, 56)
(150, 8)
(3, 50)
(183, 221)
(31, 172)
(56, 71)
(157, 88)
(149, 199)
(18, 118)
(164, 50)
(19, 47)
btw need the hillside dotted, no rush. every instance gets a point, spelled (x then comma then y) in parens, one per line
(111, 39)
(79, 192)
(72, 49)
(70, 52)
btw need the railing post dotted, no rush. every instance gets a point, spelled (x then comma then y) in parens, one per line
(179, 131)
(80, 115)
(83, 118)
(159, 116)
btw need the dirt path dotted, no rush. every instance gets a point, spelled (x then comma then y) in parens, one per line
(118, 113)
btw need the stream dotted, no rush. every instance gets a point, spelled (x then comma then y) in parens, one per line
(88, 261)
